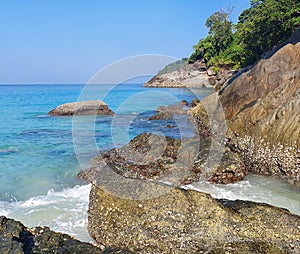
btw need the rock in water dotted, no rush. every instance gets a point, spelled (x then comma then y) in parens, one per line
(154, 157)
(187, 221)
(94, 107)
(168, 113)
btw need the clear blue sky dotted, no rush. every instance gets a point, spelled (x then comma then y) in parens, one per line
(67, 41)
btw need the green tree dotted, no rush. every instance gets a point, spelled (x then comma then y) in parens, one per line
(266, 24)
(221, 30)
(219, 38)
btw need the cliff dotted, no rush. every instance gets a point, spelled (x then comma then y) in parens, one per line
(191, 75)
(262, 112)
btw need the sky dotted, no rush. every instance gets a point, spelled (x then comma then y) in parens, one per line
(68, 41)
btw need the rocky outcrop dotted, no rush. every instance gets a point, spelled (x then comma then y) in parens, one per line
(187, 221)
(149, 156)
(168, 113)
(15, 238)
(262, 112)
(191, 75)
(94, 107)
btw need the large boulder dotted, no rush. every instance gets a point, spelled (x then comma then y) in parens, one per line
(187, 221)
(262, 111)
(93, 107)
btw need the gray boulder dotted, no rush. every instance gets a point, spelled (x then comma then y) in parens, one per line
(93, 107)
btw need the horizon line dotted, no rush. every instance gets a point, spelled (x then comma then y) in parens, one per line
(17, 84)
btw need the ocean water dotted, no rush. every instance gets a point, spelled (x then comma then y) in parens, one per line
(39, 162)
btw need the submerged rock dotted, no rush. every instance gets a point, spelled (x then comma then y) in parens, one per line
(195, 102)
(168, 113)
(94, 107)
(187, 221)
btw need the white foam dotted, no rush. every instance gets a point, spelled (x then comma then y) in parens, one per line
(256, 188)
(63, 211)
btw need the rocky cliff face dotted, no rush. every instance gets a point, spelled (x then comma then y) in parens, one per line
(262, 111)
(191, 75)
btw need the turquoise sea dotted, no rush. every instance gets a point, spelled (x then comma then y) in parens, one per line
(38, 163)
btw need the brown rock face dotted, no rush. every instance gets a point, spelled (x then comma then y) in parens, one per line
(94, 107)
(262, 111)
(270, 87)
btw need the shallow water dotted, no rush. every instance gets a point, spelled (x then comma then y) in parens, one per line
(36, 150)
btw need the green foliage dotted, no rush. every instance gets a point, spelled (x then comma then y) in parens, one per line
(220, 37)
(266, 24)
(205, 49)
(220, 29)
(174, 66)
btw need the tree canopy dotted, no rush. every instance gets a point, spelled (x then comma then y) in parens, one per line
(219, 39)
(266, 24)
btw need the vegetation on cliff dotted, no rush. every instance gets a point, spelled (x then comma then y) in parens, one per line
(266, 24)
(174, 66)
